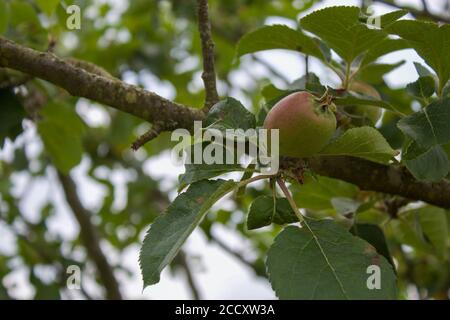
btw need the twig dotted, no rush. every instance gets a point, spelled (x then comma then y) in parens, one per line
(190, 277)
(392, 205)
(425, 6)
(90, 238)
(291, 201)
(307, 66)
(151, 134)
(209, 73)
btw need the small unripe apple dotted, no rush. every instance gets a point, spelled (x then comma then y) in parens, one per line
(305, 122)
(363, 115)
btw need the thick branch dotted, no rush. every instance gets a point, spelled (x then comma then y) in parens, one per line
(416, 12)
(90, 238)
(78, 82)
(149, 106)
(209, 73)
(382, 178)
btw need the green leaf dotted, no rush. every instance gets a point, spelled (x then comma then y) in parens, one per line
(390, 131)
(4, 16)
(431, 41)
(48, 6)
(284, 213)
(270, 92)
(426, 164)
(429, 126)
(197, 172)
(374, 72)
(265, 209)
(422, 88)
(433, 221)
(11, 116)
(309, 82)
(230, 114)
(374, 235)
(326, 51)
(316, 193)
(351, 99)
(240, 192)
(61, 131)
(261, 212)
(203, 170)
(422, 71)
(342, 30)
(446, 90)
(22, 12)
(390, 17)
(344, 205)
(169, 231)
(363, 142)
(382, 48)
(406, 231)
(277, 37)
(326, 262)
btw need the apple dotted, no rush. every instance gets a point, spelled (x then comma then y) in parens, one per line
(305, 122)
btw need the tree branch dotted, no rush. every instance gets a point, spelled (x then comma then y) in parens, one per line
(373, 176)
(78, 82)
(189, 276)
(151, 107)
(209, 73)
(151, 134)
(416, 12)
(90, 238)
(425, 6)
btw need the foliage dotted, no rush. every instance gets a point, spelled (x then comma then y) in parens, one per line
(320, 251)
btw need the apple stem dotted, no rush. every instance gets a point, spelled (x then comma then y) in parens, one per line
(291, 201)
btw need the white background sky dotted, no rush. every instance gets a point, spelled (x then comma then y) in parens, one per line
(218, 275)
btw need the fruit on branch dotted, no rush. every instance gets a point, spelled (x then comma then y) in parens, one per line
(305, 122)
(363, 115)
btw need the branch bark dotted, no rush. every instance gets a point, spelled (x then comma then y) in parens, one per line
(151, 134)
(391, 179)
(78, 82)
(153, 108)
(90, 238)
(209, 73)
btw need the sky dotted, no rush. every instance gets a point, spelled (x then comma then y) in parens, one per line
(217, 274)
